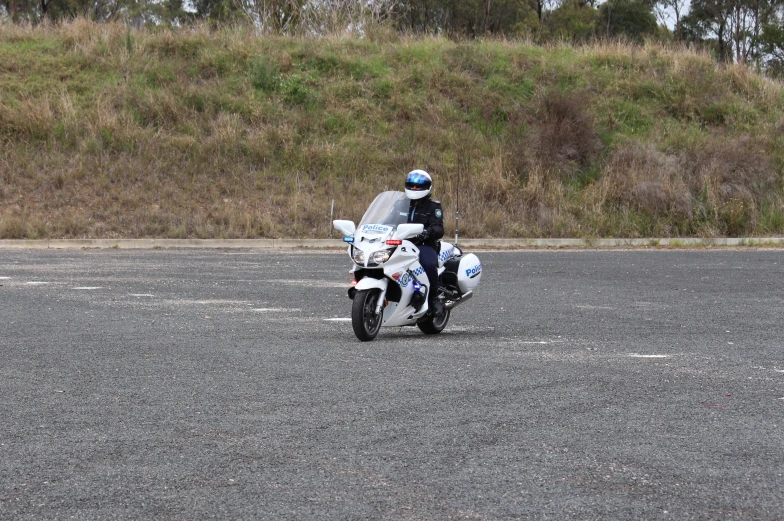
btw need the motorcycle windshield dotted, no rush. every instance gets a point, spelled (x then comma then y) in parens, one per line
(388, 208)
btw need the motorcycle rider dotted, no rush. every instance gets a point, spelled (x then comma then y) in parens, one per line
(426, 211)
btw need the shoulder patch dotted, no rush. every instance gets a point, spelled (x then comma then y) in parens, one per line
(439, 213)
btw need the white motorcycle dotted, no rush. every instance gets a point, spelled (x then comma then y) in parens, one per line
(389, 286)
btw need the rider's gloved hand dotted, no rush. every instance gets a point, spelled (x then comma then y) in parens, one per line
(422, 237)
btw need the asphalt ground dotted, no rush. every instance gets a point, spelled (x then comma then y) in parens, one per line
(170, 384)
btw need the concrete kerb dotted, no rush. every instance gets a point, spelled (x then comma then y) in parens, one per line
(142, 244)
(335, 244)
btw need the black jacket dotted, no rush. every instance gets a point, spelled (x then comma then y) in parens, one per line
(429, 213)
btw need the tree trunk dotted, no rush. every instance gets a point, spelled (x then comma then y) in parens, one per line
(677, 8)
(723, 44)
(487, 16)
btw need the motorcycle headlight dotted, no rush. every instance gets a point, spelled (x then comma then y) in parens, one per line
(380, 257)
(359, 257)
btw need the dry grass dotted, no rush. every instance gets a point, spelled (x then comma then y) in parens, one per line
(222, 133)
(567, 134)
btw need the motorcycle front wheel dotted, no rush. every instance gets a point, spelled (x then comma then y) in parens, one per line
(364, 320)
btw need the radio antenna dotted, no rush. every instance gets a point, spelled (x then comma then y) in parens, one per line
(457, 202)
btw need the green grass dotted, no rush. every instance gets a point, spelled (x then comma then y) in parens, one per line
(106, 132)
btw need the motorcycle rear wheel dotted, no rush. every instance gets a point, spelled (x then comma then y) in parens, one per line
(364, 320)
(435, 324)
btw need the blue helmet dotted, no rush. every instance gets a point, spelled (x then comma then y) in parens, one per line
(418, 184)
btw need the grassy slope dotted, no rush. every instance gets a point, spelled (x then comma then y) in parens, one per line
(224, 134)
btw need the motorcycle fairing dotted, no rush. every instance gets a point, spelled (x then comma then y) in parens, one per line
(448, 250)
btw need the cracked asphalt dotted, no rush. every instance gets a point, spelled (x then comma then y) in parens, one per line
(227, 384)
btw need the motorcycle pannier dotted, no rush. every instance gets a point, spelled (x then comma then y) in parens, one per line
(464, 271)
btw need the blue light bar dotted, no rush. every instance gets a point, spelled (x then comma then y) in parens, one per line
(348, 239)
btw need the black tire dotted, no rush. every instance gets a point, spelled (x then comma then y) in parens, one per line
(363, 318)
(435, 324)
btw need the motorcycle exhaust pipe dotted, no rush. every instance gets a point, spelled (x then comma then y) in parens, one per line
(452, 303)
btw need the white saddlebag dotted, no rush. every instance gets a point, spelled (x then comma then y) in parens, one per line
(469, 272)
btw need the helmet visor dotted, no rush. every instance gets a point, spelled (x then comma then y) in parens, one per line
(416, 181)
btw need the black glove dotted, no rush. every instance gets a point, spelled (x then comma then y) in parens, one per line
(422, 237)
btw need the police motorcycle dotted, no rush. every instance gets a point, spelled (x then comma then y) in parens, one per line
(388, 284)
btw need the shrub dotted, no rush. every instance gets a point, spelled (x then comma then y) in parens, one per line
(264, 75)
(12, 228)
(736, 167)
(648, 180)
(296, 91)
(566, 137)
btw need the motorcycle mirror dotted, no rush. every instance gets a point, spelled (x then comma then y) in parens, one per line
(347, 228)
(404, 231)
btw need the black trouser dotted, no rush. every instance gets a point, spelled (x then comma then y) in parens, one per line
(428, 258)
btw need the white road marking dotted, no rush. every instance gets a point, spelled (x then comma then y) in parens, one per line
(36, 283)
(141, 294)
(543, 342)
(337, 319)
(456, 329)
(214, 301)
(4, 278)
(515, 341)
(634, 355)
(88, 287)
(274, 310)
(308, 283)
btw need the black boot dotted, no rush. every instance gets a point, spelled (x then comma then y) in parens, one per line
(438, 308)
(435, 305)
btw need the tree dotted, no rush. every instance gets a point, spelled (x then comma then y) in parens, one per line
(503, 16)
(461, 17)
(633, 19)
(57, 10)
(573, 20)
(18, 10)
(98, 10)
(530, 20)
(708, 23)
(279, 16)
(772, 46)
(219, 10)
(732, 27)
(673, 8)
